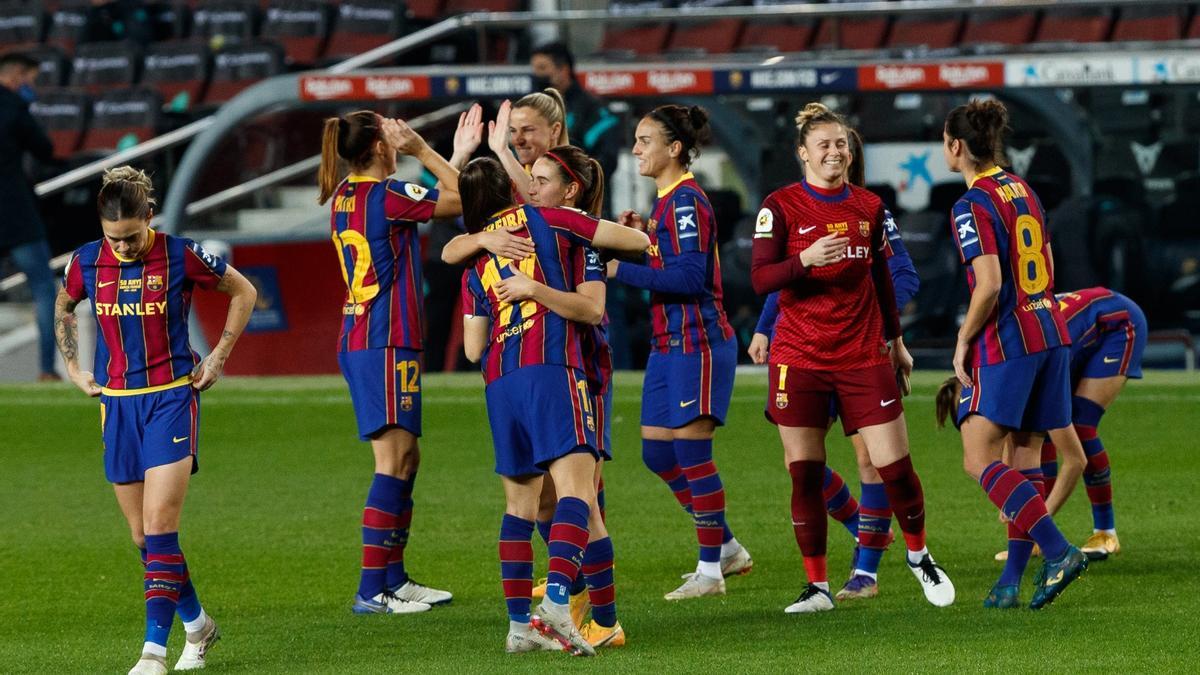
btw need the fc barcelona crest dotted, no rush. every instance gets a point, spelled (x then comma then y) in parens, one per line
(406, 403)
(864, 228)
(591, 423)
(781, 400)
(154, 282)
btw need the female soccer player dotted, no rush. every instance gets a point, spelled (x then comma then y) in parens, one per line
(532, 125)
(870, 523)
(821, 243)
(566, 176)
(539, 404)
(374, 229)
(1011, 355)
(140, 283)
(689, 375)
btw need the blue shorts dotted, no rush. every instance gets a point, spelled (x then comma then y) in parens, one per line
(1028, 393)
(679, 388)
(142, 431)
(1117, 352)
(385, 388)
(538, 414)
(603, 406)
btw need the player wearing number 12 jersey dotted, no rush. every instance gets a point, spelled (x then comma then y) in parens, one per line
(374, 230)
(1012, 356)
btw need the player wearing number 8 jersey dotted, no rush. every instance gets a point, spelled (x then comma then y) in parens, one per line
(1012, 356)
(374, 230)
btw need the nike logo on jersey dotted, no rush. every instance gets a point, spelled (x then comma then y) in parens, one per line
(806, 230)
(884, 404)
(102, 284)
(964, 399)
(684, 404)
(1108, 360)
(179, 440)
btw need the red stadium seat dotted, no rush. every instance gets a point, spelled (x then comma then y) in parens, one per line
(635, 40)
(363, 25)
(68, 25)
(785, 36)
(1194, 31)
(123, 118)
(64, 116)
(1148, 23)
(52, 66)
(852, 33)
(715, 37)
(1074, 26)
(101, 66)
(240, 66)
(225, 22)
(300, 26)
(464, 6)
(425, 10)
(1014, 28)
(179, 71)
(932, 32)
(21, 26)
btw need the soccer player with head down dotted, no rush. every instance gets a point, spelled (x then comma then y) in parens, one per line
(140, 284)
(870, 522)
(1012, 356)
(689, 375)
(821, 243)
(374, 229)
(539, 402)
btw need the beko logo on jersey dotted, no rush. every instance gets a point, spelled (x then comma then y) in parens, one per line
(764, 226)
(131, 308)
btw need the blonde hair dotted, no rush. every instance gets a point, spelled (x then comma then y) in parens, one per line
(946, 400)
(814, 114)
(125, 192)
(550, 105)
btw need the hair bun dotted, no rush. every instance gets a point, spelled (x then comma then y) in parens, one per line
(697, 116)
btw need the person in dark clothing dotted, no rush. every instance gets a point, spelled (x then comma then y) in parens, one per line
(22, 234)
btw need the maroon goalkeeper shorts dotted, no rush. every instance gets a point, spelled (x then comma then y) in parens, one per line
(798, 397)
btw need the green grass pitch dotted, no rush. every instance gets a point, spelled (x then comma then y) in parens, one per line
(271, 532)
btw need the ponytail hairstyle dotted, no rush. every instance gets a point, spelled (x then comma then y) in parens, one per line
(575, 166)
(550, 105)
(350, 137)
(125, 192)
(485, 189)
(857, 175)
(981, 125)
(688, 125)
(946, 400)
(813, 115)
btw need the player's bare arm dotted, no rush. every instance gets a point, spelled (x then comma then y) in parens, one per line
(620, 239)
(467, 137)
(585, 305)
(409, 142)
(475, 336)
(66, 334)
(242, 296)
(983, 301)
(501, 242)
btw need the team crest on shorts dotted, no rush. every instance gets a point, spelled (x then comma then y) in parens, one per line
(154, 282)
(864, 228)
(406, 403)
(781, 400)
(591, 423)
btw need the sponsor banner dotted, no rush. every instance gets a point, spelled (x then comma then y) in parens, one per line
(911, 168)
(648, 82)
(268, 313)
(756, 80)
(507, 85)
(1171, 69)
(363, 87)
(1068, 71)
(950, 75)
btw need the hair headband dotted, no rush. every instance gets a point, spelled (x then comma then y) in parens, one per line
(666, 121)
(566, 168)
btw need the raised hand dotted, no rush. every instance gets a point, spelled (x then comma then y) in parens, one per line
(408, 141)
(469, 134)
(498, 134)
(825, 251)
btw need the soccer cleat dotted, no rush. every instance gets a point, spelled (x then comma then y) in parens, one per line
(697, 585)
(581, 604)
(939, 590)
(415, 592)
(1101, 545)
(529, 640)
(1055, 576)
(539, 589)
(1003, 597)
(737, 563)
(149, 664)
(193, 654)
(554, 621)
(859, 586)
(386, 603)
(813, 599)
(603, 636)
(1002, 556)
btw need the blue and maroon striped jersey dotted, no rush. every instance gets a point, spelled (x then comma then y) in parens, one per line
(141, 308)
(597, 354)
(527, 333)
(1092, 312)
(374, 229)
(682, 224)
(1000, 215)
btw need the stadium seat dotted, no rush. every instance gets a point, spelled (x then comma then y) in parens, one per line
(123, 118)
(21, 26)
(179, 71)
(64, 115)
(887, 193)
(621, 41)
(68, 26)
(856, 34)
(240, 66)
(1149, 23)
(300, 26)
(1083, 25)
(225, 22)
(714, 37)
(100, 66)
(362, 25)
(1194, 30)
(424, 10)
(464, 6)
(1127, 112)
(169, 20)
(783, 36)
(1008, 28)
(939, 31)
(52, 66)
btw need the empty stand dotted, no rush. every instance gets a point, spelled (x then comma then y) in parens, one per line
(123, 118)
(21, 25)
(782, 36)
(714, 37)
(362, 25)
(1078, 25)
(635, 40)
(64, 115)
(1015, 28)
(52, 66)
(1149, 23)
(100, 66)
(240, 66)
(178, 71)
(68, 26)
(840, 33)
(425, 10)
(300, 26)
(931, 32)
(225, 22)
(463, 6)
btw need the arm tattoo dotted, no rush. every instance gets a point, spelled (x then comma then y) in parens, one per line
(66, 330)
(226, 334)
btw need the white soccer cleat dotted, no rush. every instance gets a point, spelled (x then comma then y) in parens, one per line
(415, 592)
(813, 599)
(697, 585)
(737, 563)
(554, 621)
(386, 603)
(149, 665)
(528, 639)
(194, 653)
(939, 590)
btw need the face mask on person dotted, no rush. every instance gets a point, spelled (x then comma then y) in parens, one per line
(26, 92)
